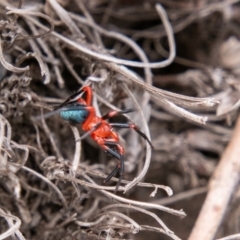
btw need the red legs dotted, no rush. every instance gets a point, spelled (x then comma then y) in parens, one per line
(79, 102)
(134, 127)
(106, 116)
(88, 92)
(125, 125)
(120, 167)
(89, 132)
(91, 115)
(109, 145)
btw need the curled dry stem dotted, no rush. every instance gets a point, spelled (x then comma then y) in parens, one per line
(91, 20)
(63, 15)
(158, 230)
(149, 150)
(26, 12)
(26, 154)
(90, 224)
(133, 223)
(48, 182)
(128, 75)
(50, 56)
(107, 58)
(140, 184)
(99, 187)
(42, 65)
(153, 215)
(51, 138)
(170, 100)
(179, 213)
(122, 38)
(7, 146)
(9, 66)
(14, 227)
(138, 203)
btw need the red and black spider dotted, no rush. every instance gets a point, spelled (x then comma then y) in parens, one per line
(79, 110)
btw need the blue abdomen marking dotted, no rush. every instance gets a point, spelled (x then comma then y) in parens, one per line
(74, 116)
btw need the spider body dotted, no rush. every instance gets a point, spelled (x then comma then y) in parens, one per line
(74, 116)
(78, 109)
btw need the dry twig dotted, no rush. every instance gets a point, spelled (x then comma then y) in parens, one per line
(221, 187)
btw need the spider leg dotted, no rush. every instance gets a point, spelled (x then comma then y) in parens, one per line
(89, 132)
(134, 127)
(92, 114)
(88, 91)
(74, 97)
(112, 174)
(114, 113)
(120, 167)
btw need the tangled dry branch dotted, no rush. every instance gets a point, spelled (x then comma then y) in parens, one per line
(52, 182)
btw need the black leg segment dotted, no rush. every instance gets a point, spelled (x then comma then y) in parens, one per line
(119, 168)
(115, 113)
(112, 174)
(134, 127)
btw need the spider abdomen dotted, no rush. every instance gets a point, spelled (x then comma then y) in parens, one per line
(74, 116)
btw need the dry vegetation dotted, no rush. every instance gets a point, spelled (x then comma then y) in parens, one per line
(176, 62)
